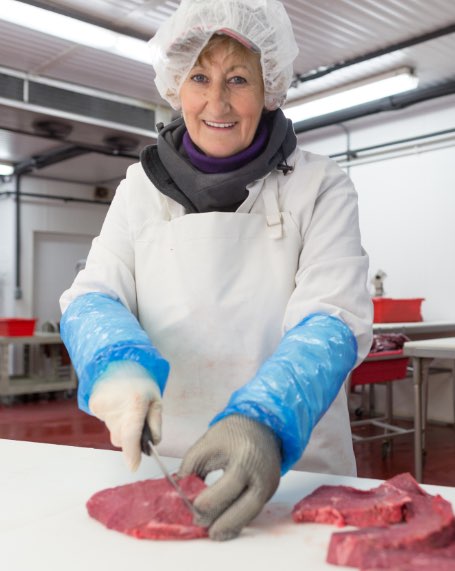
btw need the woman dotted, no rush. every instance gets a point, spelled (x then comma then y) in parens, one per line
(233, 257)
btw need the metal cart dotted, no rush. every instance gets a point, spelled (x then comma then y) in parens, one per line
(44, 368)
(380, 368)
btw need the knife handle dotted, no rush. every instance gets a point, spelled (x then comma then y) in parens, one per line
(146, 437)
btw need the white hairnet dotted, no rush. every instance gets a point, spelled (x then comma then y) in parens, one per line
(261, 25)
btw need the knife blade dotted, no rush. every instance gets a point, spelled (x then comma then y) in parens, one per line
(149, 449)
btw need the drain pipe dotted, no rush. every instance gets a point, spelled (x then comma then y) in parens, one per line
(349, 154)
(18, 288)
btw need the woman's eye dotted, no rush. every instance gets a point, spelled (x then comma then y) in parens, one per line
(199, 78)
(237, 80)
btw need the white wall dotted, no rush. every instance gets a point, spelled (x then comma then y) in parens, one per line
(406, 203)
(76, 221)
(407, 208)
(407, 220)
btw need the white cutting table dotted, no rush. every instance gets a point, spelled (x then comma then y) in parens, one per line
(422, 354)
(44, 525)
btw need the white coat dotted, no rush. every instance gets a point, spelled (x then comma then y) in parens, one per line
(216, 291)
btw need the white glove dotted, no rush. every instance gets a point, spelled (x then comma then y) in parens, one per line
(124, 397)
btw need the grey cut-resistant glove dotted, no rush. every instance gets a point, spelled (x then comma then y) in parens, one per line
(249, 454)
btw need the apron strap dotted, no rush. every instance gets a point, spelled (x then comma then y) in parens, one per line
(272, 210)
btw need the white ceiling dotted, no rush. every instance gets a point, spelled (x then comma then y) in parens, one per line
(327, 31)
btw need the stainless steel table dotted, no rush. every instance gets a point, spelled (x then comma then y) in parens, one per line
(422, 354)
(419, 329)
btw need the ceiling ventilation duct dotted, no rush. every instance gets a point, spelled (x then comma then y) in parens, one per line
(90, 106)
(76, 103)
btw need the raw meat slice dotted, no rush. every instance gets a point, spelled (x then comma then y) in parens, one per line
(429, 563)
(437, 560)
(423, 563)
(343, 505)
(423, 540)
(150, 509)
(429, 524)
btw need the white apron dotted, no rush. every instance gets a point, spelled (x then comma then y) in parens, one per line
(212, 291)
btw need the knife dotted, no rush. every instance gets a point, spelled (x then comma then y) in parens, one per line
(149, 449)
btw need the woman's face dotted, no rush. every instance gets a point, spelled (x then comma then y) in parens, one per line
(222, 101)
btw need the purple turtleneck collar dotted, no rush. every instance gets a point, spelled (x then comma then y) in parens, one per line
(214, 165)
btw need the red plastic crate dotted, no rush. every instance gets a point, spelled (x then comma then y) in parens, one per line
(17, 327)
(382, 370)
(389, 310)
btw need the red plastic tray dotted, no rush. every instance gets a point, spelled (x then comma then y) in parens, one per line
(17, 327)
(386, 369)
(389, 310)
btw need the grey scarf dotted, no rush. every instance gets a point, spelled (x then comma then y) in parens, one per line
(172, 173)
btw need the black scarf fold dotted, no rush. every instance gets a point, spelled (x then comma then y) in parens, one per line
(172, 173)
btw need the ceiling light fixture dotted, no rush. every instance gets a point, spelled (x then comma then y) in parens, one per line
(353, 94)
(73, 30)
(6, 170)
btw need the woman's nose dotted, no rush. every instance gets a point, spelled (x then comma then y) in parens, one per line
(218, 98)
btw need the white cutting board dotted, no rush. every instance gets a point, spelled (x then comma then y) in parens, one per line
(44, 524)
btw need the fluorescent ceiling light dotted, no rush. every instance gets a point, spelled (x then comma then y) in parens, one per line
(6, 170)
(73, 30)
(353, 94)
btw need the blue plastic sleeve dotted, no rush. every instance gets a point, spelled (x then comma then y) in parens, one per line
(98, 330)
(297, 384)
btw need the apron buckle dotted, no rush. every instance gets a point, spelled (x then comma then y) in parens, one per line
(275, 226)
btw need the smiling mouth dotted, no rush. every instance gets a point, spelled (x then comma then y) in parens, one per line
(219, 125)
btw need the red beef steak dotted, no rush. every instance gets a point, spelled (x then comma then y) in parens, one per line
(442, 559)
(343, 505)
(402, 527)
(428, 524)
(150, 509)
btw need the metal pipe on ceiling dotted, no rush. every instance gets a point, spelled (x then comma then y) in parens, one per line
(353, 153)
(321, 72)
(47, 159)
(109, 150)
(391, 103)
(63, 198)
(65, 153)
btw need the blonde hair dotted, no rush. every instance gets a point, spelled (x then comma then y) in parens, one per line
(232, 46)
